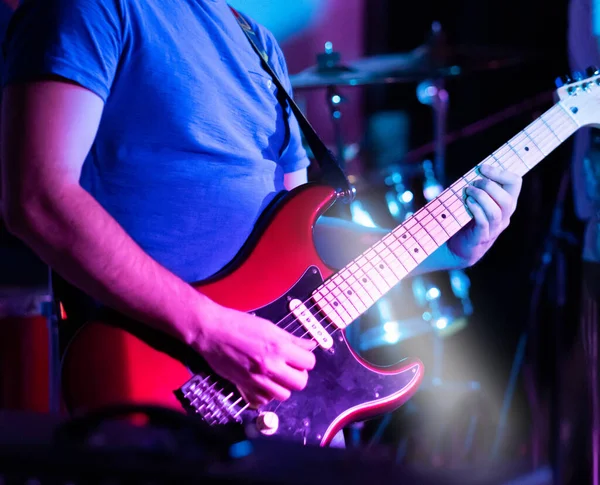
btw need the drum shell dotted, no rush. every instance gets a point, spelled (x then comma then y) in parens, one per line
(24, 350)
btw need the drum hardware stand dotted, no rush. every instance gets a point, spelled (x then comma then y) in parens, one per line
(50, 311)
(335, 100)
(432, 93)
(329, 62)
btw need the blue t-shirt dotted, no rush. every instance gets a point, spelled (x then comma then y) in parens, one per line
(193, 143)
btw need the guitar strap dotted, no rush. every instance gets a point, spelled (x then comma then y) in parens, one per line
(331, 170)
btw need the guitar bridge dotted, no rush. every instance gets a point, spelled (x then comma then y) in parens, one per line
(200, 395)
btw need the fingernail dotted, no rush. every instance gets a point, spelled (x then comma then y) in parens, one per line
(470, 200)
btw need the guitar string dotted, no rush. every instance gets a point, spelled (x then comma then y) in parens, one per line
(496, 162)
(516, 159)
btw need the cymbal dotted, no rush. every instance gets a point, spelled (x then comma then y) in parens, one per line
(424, 62)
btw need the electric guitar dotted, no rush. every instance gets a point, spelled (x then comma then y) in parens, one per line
(279, 276)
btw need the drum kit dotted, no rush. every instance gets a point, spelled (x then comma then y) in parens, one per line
(435, 305)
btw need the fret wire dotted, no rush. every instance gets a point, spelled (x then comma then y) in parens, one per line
(506, 151)
(414, 236)
(512, 159)
(461, 201)
(391, 235)
(343, 299)
(448, 210)
(403, 246)
(442, 225)
(352, 284)
(438, 225)
(528, 151)
(376, 271)
(498, 161)
(332, 305)
(363, 284)
(548, 126)
(387, 246)
(369, 285)
(557, 123)
(415, 248)
(354, 297)
(385, 272)
(342, 303)
(519, 156)
(533, 141)
(365, 274)
(428, 235)
(519, 164)
(541, 143)
(342, 307)
(396, 267)
(360, 292)
(426, 213)
(529, 131)
(566, 115)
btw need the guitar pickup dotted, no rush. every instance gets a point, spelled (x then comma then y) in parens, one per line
(311, 324)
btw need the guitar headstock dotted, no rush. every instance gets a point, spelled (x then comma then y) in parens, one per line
(580, 94)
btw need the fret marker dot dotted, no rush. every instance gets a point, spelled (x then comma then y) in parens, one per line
(381, 266)
(416, 250)
(335, 303)
(443, 216)
(349, 292)
(364, 280)
(404, 236)
(526, 149)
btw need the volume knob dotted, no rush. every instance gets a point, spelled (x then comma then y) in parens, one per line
(267, 423)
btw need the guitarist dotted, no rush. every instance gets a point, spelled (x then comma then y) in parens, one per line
(141, 139)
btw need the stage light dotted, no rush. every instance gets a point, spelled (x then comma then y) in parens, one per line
(407, 197)
(433, 293)
(393, 206)
(441, 323)
(392, 333)
(360, 215)
(392, 338)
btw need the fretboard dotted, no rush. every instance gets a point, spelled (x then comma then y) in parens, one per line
(354, 289)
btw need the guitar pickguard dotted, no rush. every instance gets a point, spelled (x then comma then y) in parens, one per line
(340, 387)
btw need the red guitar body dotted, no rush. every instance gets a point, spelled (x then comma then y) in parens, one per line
(105, 364)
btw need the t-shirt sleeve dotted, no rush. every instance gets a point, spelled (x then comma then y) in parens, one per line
(79, 40)
(294, 156)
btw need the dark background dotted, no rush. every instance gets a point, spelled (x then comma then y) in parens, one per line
(502, 283)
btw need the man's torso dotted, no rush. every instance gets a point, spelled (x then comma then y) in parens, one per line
(186, 156)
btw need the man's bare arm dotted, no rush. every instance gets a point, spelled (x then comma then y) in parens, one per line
(47, 131)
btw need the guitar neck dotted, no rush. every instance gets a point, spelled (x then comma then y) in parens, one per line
(355, 288)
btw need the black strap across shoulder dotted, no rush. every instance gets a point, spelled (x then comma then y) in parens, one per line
(331, 170)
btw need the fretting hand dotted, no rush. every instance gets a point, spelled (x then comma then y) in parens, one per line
(492, 201)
